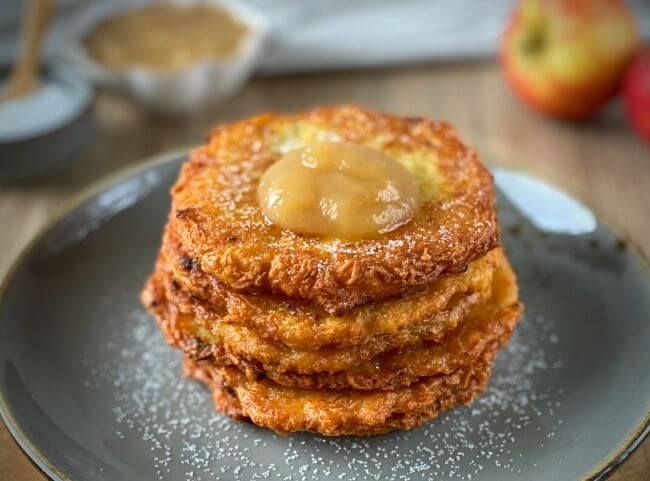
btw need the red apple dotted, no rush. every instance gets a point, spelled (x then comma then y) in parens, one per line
(566, 57)
(636, 93)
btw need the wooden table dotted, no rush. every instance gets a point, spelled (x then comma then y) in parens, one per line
(600, 162)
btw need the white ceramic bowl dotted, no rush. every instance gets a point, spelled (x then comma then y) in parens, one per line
(181, 91)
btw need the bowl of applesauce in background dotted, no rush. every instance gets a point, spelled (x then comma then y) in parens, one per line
(174, 56)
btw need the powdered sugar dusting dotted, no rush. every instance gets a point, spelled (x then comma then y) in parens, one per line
(156, 411)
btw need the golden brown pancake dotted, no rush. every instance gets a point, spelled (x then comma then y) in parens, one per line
(334, 412)
(486, 327)
(183, 328)
(216, 216)
(302, 326)
(486, 324)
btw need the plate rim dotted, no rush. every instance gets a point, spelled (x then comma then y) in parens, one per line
(600, 472)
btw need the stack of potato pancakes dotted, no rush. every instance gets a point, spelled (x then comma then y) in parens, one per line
(298, 333)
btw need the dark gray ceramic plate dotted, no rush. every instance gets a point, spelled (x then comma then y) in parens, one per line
(91, 392)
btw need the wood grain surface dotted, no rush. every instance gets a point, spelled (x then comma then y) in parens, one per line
(601, 161)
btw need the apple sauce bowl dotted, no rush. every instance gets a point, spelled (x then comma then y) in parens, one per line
(181, 91)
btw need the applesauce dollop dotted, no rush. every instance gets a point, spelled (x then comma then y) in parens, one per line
(165, 37)
(338, 190)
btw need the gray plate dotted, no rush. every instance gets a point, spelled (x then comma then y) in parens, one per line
(91, 392)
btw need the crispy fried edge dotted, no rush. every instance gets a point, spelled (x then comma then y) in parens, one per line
(336, 413)
(488, 322)
(241, 342)
(302, 326)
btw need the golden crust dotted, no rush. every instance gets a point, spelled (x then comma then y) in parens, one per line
(486, 327)
(219, 223)
(335, 413)
(184, 329)
(488, 323)
(299, 325)
(484, 330)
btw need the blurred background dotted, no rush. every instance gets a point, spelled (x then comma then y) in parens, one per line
(558, 88)
(312, 35)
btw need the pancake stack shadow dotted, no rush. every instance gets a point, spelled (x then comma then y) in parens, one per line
(299, 334)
